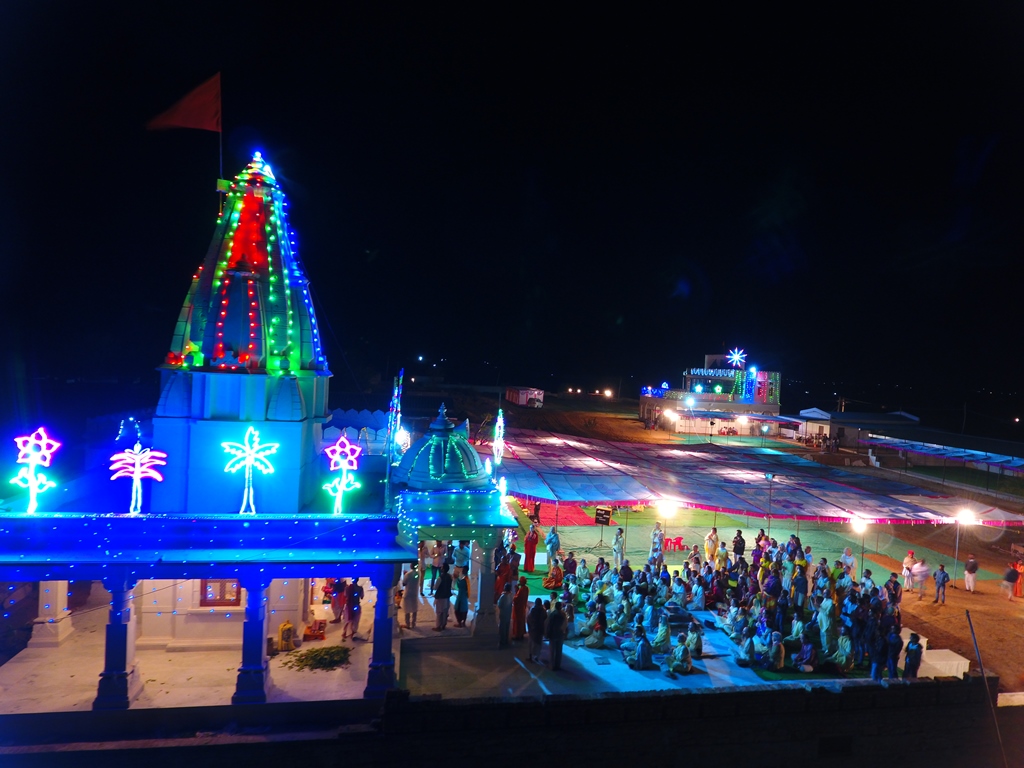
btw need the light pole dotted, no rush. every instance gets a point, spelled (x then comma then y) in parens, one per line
(770, 477)
(859, 526)
(966, 517)
(666, 510)
(764, 433)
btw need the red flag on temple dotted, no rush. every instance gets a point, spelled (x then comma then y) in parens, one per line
(200, 109)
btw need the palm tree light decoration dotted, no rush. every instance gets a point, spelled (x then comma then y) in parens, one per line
(137, 463)
(498, 446)
(248, 454)
(343, 456)
(35, 450)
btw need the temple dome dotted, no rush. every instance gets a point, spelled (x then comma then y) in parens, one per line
(442, 460)
(249, 308)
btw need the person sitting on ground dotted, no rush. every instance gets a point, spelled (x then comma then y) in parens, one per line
(642, 657)
(843, 657)
(696, 596)
(793, 641)
(727, 623)
(744, 652)
(695, 640)
(554, 578)
(740, 625)
(601, 569)
(806, 659)
(662, 642)
(598, 629)
(583, 577)
(774, 659)
(569, 565)
(680, 662)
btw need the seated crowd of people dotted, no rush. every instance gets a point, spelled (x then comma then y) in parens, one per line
(780, 608)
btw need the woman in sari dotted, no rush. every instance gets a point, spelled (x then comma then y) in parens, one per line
(501, 578)
(530, 549)
(461, 606)
(519, 605)
(711, 545)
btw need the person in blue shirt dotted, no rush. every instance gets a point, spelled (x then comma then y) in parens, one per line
(941, 580)
(553, 544)
(462, 556)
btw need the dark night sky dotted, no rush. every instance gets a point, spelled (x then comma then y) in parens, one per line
(576, 198)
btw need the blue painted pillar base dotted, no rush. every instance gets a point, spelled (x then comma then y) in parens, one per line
(381, 678)
(254, 673)
(120, 682)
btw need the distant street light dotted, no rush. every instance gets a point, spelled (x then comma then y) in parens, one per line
(770, 477)
(764, 432)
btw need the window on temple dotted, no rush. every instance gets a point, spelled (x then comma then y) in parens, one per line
(218, 592)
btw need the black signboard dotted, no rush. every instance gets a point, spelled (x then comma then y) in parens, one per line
(603, 515)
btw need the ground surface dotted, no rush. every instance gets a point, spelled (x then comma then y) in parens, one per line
(999, 624)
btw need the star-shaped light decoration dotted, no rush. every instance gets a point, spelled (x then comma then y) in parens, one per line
(344, 456)
(248, 454)
(737, 357)
(35, 450)
(137, 463)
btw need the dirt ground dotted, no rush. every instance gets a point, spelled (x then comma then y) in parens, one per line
(998, 623)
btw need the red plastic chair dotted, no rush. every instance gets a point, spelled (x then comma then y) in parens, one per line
(674, 545)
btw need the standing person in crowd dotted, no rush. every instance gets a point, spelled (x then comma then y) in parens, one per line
(461, 605)
(462, 555)
(908, 574)
(1010, 581)
(711, 545)
(353, 610)
(504, 614)
(912, 661)
(338, 600)
(1018, 587)
(514, 559)
(520, 603)
(800, 588)
(895, 643)
(555, 630)
(618, 548)
(893, 590)
(442, 598)
(920, 573)
(530, 549)
(970, 573)
(941, 580)
(739, 545)
(436, 561)
(849, 560)
(423, 556)
(411, 596)
(535, 623)
(657, 541)
(552, 543)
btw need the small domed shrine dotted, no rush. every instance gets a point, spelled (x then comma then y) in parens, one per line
(443, 459)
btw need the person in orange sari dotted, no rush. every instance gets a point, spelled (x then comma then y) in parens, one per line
(1018, 587)
(530, 549)
(519, 605)
(554, 578)
(501, 577)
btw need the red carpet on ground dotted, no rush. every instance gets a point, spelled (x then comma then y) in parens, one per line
(567, 515)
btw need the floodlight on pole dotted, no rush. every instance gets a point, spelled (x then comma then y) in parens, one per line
(770, 477)
(965, 517)
(860, 526)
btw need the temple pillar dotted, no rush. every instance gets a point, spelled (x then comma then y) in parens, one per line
(53, 623)
(484, 609)
(120, 681)
(381, 677)
(254, 673)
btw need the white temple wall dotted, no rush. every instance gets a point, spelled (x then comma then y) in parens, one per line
(172, 618)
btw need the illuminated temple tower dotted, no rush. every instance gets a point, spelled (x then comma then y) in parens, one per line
(245, 353)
